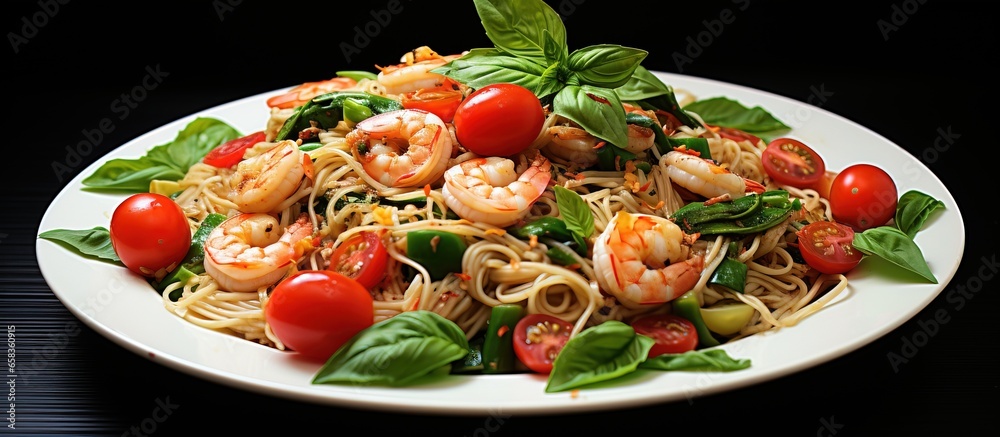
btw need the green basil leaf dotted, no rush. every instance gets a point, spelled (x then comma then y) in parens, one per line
(169, 161)
(913, 209)
(95, 242)
(721, 111)
(891, 244)
(651, 93)
(696, 361)
(613, 158)
(554, 51)
(481, 67)
(605, 65)
(396, 351)
(575, 211)
(549, 83)
(600, 353)
(596, 110)
(698, 144)
(518, 26)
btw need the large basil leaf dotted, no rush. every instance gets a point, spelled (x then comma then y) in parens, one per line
(722, 111)
(396, 351)
(95, 242)
(518, 27)
(698, 360)
(913, 209)
(597, 110)
(599, 353)
(891, 244)
(169, 161)
(605, 65)
(481, 67)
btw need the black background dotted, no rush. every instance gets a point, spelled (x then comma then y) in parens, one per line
(927, 67)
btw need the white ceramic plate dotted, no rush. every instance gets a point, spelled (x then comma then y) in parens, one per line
(123, 308)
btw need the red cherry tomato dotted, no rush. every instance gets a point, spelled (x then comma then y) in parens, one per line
(363, 258)
(826, 246)
(314, 312)
(302, 94)
(863, 196)
(231, 152)
(499, 120)
(790, 162)
(673, 334)
(538, 339)
(442, 101)
(150, 234)
(735, 134)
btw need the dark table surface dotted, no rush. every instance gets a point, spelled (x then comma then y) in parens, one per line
(908, 70)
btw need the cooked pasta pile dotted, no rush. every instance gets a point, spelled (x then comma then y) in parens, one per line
(341, 199)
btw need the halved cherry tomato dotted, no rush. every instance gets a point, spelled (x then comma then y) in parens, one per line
(673, 334)
(791, 162)
(150, 234)
(442, 101)
(363, 258)
(826, 246)
(863, 196)
(501, 119)
(735, 134)
(538, 339)
(314, 312)
(230, 153)
(301, 94)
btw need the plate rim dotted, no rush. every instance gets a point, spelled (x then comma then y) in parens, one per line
(375, 401)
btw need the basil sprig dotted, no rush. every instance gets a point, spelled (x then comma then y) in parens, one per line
(530, 50)
(913, 209)
(894, 243)
(168, 161)
(576, 213)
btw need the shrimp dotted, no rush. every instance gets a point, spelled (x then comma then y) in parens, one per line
(644, 259)
(403, 148)
(573, 144)
(489, 190)
(414, 71)
(702, 176)
(261, 183)
(250, 251)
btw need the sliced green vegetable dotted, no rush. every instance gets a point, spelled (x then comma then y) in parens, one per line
(180, 274)
(727, 317)
(498, 347)
(440, 252)
(688, 307)
(309, 147)
(327, 110)
(554, 228)
(740, 216)
(357, 75)
(473, 361)
(730, 273)
(194, 262)
(355, 111)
